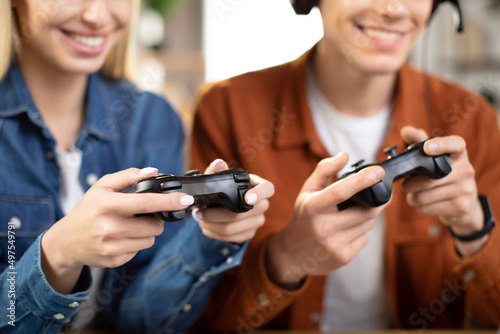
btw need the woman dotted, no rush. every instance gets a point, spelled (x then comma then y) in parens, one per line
(71, 127)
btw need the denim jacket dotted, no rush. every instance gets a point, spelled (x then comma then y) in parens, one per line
(164, 288)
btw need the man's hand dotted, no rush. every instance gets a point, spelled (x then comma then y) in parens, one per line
(454, 198)
(318, 230)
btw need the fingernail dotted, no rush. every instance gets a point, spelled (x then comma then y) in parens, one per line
(148, 170)
(187, 200)
(197, 214)
(338, 155)
(215, 162)
(378, 173)
(432, 147)
(251, 198)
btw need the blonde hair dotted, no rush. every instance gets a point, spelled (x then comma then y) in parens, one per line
(119, 63)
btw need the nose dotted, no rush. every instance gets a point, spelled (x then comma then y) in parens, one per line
(393, 9)
(96, 13)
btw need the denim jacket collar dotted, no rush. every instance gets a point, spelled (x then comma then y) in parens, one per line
(100, 122)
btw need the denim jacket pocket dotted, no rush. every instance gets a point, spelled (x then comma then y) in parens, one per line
(28, 217)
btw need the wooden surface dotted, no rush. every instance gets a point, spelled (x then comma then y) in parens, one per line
(353, 332)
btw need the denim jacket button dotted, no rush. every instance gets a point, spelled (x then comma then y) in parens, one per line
(187, 308)
(58, 316)
(49, 155)
(91, 179)
(15, 222)
(74, 304)
(224, 251)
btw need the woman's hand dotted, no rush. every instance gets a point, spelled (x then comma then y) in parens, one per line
(222, 224)
(105, 229)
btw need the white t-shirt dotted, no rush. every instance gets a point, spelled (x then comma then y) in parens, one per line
(70, 194)
(355, 296)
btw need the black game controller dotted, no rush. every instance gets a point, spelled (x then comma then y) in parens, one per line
(413, 161)
(226, 188)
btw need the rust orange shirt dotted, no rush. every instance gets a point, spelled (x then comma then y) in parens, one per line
(261, 122)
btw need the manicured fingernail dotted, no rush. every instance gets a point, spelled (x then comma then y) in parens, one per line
(197, 214)
(187, 200)
(215, 162)
(251, 198)
(148, 170)
(432, 147)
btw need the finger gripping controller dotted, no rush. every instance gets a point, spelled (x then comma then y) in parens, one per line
(223, 189)
(413, 161)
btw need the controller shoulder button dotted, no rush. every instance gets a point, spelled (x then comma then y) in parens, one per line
(193, 172)
(170, 185)
(242, 177)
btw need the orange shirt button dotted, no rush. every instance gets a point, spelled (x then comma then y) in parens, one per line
(314, 317)
(263, 300)
(469, 275)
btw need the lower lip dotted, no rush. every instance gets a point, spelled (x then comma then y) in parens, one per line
(385, 43)
(85, 49)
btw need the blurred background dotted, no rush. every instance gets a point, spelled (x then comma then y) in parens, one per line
(184, 43)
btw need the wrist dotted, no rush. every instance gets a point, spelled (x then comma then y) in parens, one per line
(483, 226)
(280, 264)
(59, 269)
(474, 223)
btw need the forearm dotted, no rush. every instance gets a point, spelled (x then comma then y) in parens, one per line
(171, 290)
(35, 306)
(244, 292)
(59, 274)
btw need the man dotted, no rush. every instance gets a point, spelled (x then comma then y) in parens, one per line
(403, 264)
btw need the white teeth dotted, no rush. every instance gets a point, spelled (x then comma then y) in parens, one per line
(381, 34)
(88, 41)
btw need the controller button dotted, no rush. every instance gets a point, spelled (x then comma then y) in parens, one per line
(178, 215)
(192, 172)
(358, 163)
(380, 194)
(170, 185)
(243, 177)
(443, 167)
(391, 151)
(242, 205)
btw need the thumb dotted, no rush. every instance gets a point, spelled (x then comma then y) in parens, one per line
(324, 172)
(124, 179)
(217, 165)
(413, 135)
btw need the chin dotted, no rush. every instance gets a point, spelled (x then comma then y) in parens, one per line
(83, 67)
(380, 65)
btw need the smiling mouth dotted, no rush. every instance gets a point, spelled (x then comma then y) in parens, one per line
(381, 34)
(88, 41)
